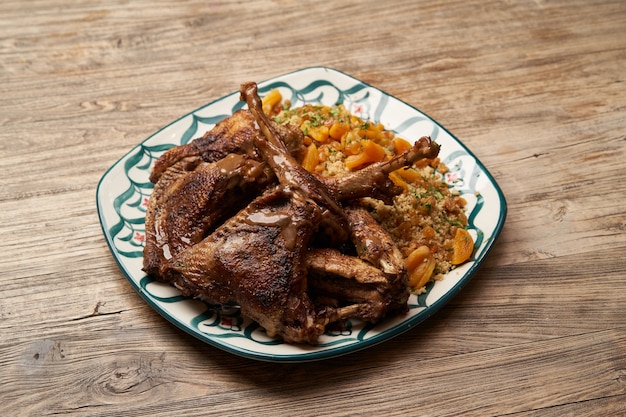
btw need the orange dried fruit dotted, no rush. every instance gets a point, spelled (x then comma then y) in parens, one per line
(420, 265)
(462, 247)
(370, 152)
(401, 145)
(311, 158)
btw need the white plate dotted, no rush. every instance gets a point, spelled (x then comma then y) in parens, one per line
(124, 190)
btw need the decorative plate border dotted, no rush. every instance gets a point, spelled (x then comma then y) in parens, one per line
(124, 190)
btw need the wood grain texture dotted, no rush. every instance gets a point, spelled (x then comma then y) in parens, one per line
(536, 89)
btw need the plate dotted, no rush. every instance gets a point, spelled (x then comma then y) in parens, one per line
(124, 190)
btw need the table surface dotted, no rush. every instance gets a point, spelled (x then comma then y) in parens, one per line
(536, 89)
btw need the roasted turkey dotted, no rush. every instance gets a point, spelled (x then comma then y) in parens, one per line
(234, 218)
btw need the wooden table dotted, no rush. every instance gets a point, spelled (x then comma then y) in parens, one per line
(536, 89)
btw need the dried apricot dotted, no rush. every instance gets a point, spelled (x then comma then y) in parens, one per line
(420, 264)
(371, 152)
(462, 247)
(311, 158)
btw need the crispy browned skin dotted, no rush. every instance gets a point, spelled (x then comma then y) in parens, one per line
(203, 182)
(265, 257)
(256, 260)
(373, 243)
(349, 287)
(191, 198)
(376, 279)
(235, 134)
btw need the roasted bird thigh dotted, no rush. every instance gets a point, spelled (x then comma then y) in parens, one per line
(256, 259)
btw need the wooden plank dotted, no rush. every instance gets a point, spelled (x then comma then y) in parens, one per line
(534, 88)
(144, 379)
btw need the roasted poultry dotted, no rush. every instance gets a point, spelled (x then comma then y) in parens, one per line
(234, 218)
